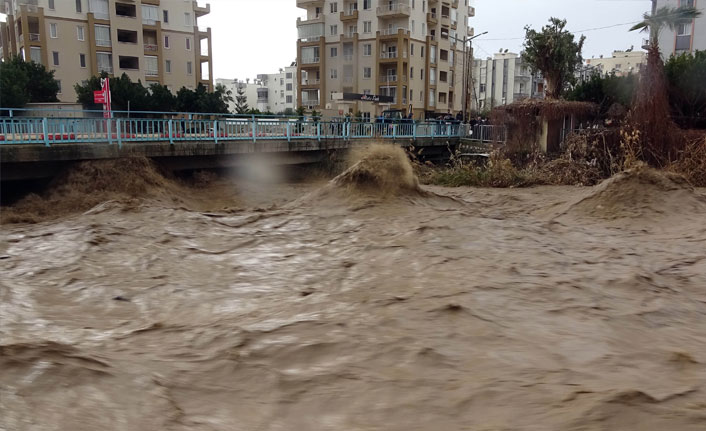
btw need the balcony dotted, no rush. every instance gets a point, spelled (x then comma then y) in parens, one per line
(348, 58)
(310, 102)
(392, 79)
(646, 44)
(151, 72)
(392, 55)
(431, 18)
(151, 47)
(317, 20)
(311, 60)
(391, 32)
(349, 15)
(394, 10)
(200, 11)
(305, 4)
(34, 37)
(471, 11)
(471, 31)
(310, 81)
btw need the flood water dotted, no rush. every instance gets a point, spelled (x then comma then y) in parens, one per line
(334, 307)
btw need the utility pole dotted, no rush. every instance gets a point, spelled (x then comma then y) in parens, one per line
(467, 70)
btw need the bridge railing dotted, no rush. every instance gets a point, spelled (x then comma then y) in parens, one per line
(48, 131)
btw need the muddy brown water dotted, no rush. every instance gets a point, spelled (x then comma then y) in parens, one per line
(338, 307)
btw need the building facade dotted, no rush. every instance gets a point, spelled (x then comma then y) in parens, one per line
(503, 79)
(408, 51)
(150, 40)
(686, 38)
(273, 92)
(621, 63)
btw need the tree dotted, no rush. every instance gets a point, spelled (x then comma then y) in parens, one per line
(555, 53)
(650, 115)
(23, 82)
(686, 75)
(161, 100)
(122, 91)
(605, 91)
(241, 101)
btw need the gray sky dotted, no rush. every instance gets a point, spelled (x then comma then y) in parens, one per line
(259, 36)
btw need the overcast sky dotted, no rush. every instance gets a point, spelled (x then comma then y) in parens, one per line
(259, 36)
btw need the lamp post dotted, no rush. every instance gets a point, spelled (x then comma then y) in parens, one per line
(467, 65)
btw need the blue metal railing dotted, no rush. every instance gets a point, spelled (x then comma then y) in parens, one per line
(49, 130)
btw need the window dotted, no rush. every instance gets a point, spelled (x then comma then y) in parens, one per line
(421, 96)
(78, 6)
(150, 14)
(684, 29)
(55, 57)
(334, 30)
(130, 63)
(424, 6)
(51, 5)
(411, 74)
(367, 4)
(289, 75)
(289, 99)
(334, 73)
(367, 72)
(165, 16)
(334, 52)
(35, 54)
(53, 31)
(422, 52)
(151, 66)
(166, 42)
(126, 10)
(367, 50)
(99, 8)
(168, 66)
(367, 26)
(105, 62)
(80, 33)
(334, 7)
(82, 60)
(411, 49)
(189, 68)
(443, 76)
(412, 26)
(421, 72)
(188, 44)
(187, 19)
(412, 8)
(289, 86)
(58, 83)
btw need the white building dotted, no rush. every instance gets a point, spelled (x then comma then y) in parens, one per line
(274, 92)
(502, 80)
(685, 38)
(621, 63)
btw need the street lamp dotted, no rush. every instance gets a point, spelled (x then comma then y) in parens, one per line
(467, 65)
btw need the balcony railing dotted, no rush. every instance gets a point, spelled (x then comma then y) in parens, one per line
(391, 54)
(310, 102)
(391, 31)
(106, 69)
(34, 37)
(151, 47)
(394, 9)
(312, 60)
(388, 78)
(311, 81)
(151, 72)
(348, 57)
(103, 42)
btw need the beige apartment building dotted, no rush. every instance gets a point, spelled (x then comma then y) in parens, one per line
(620, 63)
(410, 52)
(150, 40)
(685, 38)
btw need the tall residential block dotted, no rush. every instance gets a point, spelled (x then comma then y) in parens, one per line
(687, 37)
(503, 79)
(410, 52)
(150, 40)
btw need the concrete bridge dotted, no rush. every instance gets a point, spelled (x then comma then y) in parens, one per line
(37, 147)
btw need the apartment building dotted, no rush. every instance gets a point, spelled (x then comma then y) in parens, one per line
(503, 79)
(370, 55)
(150, 40)
(620, 63)
(273, 92)
(686, 38)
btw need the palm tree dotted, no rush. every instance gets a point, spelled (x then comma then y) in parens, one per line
(650, 115)
(665, 17)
